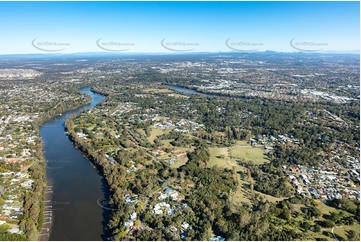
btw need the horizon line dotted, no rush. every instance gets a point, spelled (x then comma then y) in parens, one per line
(189, 52)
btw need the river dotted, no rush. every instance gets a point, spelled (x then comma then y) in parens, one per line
(74, 184)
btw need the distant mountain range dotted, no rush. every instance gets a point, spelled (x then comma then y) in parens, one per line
(37, 55)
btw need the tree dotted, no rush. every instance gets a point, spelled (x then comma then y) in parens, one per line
(207, 233)
(353, 235)
(286, 214)
(137, 223)
(305, 225)
(316, 228)
(311, 212)
(244, 218)
(122, 234)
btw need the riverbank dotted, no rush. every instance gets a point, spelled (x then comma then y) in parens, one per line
(44, 232)
(101, 164)
(100, 170)
(99, 92)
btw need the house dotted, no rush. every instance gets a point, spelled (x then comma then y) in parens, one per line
(129, 199)
(295, 181)
(15, 230)
(314, 192)
(169, 192)
(170, 212)
(25, 152)
(158, 208)
(27, 183)
(13, 160)
(16, 214)
(158, 152)
(6, 206)
(6, 212)
(185, 225)
(129, 224)
(16, 208)
(185, 205)
(14, 180)
(81, 135)
(184, 235)
(338, 196)
(174, 195)
(217, 238)
(133, 216)
(173, 228)
(294, 169)
(303, 176)
(299, 189)
(162, 196)
(20, 174)
(296, 141)
(7, 173)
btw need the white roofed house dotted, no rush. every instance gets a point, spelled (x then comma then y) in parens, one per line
(6, 212)
(133, 216)
(174, 195)
(15, 230)
(185, 225)
(27, 183)
(162, 196)
(129, 223)
(158, 208)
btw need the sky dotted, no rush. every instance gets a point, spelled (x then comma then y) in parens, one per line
(167, 27)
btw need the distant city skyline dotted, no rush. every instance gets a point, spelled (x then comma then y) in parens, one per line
(178, 27)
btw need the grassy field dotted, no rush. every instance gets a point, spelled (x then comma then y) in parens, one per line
(179, 152)
(225, 157)
(269, 197)
(342, 230)
(338, 231)
(240, 196)
(324, 208)
(241, 143)
(176, 95)
(220, 157)
(141, 132)
(179, 163)
(166, 143)
(155, 90)
(321, 206)
(244, 194)
(156, 132)
(312, 236)
(247, 153)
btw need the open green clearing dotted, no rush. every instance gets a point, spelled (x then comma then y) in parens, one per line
(247, 153)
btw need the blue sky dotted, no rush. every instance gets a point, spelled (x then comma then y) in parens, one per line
(195, 26)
